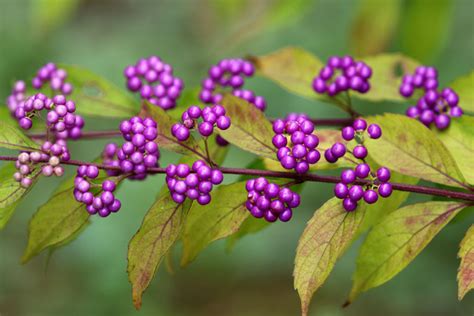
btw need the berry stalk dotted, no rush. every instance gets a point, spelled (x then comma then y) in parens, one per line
(311, 177)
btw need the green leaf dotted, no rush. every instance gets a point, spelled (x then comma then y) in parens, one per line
(12, 137)
(219, 219)
(373, 29)
(463, 87)
(160, 229)
(466, 268)
(59, 220)
(459, 140)
(10, 190)
(410, 148)
(249, 129)
(6, 213)
(95, 96)
(326, 237)
(425, 27)
(165, 139)
(397, 240)
(387, 73)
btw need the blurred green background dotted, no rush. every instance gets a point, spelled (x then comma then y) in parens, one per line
(89, 276)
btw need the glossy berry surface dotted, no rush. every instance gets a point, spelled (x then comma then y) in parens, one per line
(296, 144)
(230, 73)
(352, 190)
(270, 201)
(342, 74)
(195, 182)
(104, 201)
(204, 121)
(154, 80)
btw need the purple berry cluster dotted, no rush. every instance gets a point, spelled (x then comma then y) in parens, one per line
(434, 106)
(342, 74)
(351, 193)
(296, 143)
(140, 150)
(270, 201)
(356, 131)
(211, 116)
(56, 78)
(155, 81)
(109, 158)
(61, 120)
(50, 157)
(194, 183)
(104, 204)
(230, 73)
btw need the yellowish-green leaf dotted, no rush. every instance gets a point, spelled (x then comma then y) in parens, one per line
(459, 139)
(249, 129)
(464, 87)
(327, 235)
(397, 240)
(466, 268)
(219, 219)
(6, 213)
(387, 73)
(410, 148)
(160, 229)
(48, 15)
(250, 225)
(96, 96)
(373, 29)
(12, 137)
(293, 68)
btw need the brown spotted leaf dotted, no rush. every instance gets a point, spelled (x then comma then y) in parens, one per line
(160, 229)
(326, 237)
(466, 268)
(249, 129)
(410, 148)
(397, 240)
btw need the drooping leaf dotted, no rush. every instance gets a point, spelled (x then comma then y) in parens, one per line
(12, 137)
(373, 29)
(96, 96)
(6, 213)
(160, 229)
(466, 268)
(249, 129)
(397, 240)
(165, 139)
(463, 87)
(420, 37)
(326, 237)
(459, 140)
(410, 148)
(58, 221)
(219, 219)
(387, 72)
